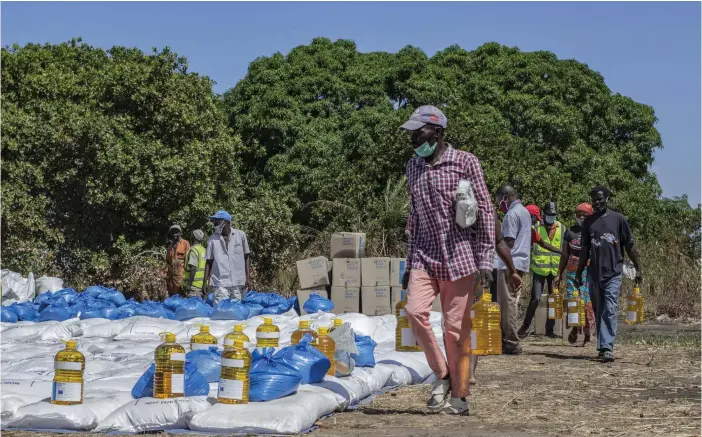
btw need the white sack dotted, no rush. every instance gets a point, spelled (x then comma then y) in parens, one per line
(16, 288)
(150, 414)
(47, 283)
(147, 328)
(288, 415)
(62, 330)
(363, 382)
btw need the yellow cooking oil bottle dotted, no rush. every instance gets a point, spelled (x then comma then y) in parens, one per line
(336, 323)
(634, 307)
(234, 379)
(581, 311)
(202, 340)
(238, 332)
(69, 365)
(574, 311)
(486, 333)
(555, 305)
(169, 377)
(326, 345)
(267, 335)
(302, 329)
(404, 336)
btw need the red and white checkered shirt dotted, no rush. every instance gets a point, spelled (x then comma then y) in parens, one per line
(437, 244)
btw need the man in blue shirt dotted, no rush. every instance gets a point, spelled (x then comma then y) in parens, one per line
(516, 231)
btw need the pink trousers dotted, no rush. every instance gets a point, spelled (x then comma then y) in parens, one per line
(456, 301)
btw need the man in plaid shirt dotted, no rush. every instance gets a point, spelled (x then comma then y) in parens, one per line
(443, 257)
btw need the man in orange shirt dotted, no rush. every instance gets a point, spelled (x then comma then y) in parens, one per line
(176, 248)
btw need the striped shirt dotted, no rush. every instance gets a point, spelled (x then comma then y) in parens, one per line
(437, 245)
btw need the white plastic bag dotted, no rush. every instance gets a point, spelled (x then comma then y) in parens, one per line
(344, 339)
(466, 205)
(47, 283)
(16, 288)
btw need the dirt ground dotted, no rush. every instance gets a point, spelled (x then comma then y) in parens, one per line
(653, 389)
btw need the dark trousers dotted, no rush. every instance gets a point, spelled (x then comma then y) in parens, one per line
(539, 284)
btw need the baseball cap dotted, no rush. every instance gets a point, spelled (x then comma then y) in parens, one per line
(221, 214)
(425, 115)
(534, 210)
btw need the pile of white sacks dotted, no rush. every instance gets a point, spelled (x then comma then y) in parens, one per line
(118, 352)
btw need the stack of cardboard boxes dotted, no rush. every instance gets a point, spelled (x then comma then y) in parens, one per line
(371, 286)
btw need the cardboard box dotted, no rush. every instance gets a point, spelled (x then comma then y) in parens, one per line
(395, 296)
(348, 245)
(346, 272)
(375, 301)
(397, 271)
(313, 272)
(303, 295)
(346, 299)
(375, 272)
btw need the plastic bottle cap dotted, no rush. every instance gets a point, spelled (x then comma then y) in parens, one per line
(487, 296)
(323, 330)
(238, 329)
(168, 337)
(338, 322)
(304, 323)
(636, 290)
(267, 321)
(71, 344)
(204, 329)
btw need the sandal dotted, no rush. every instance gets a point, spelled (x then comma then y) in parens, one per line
(573, 336)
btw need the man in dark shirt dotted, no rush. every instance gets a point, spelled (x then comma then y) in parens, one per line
(605, 236)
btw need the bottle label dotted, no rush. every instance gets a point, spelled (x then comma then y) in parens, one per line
(229, 362)
(631, 303)
(403, 313)
(67, 391)
(67, 365)
(178, 356)
(551, 300)
(408, 337)
(551, 313)
(268, 335)
(472, 314)
(631, 316)
(199, 346)
(572, 304)
(573, 318)
(177, 383)
(231, 389)
(473, 340)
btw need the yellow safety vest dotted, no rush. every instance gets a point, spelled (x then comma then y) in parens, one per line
(199, 271)
(544, 262)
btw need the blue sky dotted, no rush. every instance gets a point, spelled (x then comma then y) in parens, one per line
(647, 51)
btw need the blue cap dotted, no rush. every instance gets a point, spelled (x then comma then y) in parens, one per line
(221, 214)
(425, 115)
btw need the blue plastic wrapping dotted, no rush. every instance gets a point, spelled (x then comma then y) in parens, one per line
(67, 294)
(254, 297)
(173, 302)
(7, 315)
(94, 290)
(25, 311)
(151, 309)
(208, 362)
(366, 349)
(210, 299)
(229, 309)
(318, 303)
(113, 296)
(56, 311)
(195, 383)
(254, 309)
(272, 378)
(193, 307)
(309, 362)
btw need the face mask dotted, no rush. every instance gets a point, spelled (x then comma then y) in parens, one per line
(579, 221)
(503, 206)
(548, 220)
(219, 228)
(425, 150)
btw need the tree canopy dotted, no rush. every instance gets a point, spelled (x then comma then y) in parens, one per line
(106, 148)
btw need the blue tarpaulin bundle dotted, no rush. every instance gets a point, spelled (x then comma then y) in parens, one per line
(192, 307)
(318, 303)
(8, 315)
(229, 309)
(366, 349)
(208, 362)
(310, 363)
(26, 311)
(272, 378)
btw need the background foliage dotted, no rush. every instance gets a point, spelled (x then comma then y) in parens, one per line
(103, 149)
